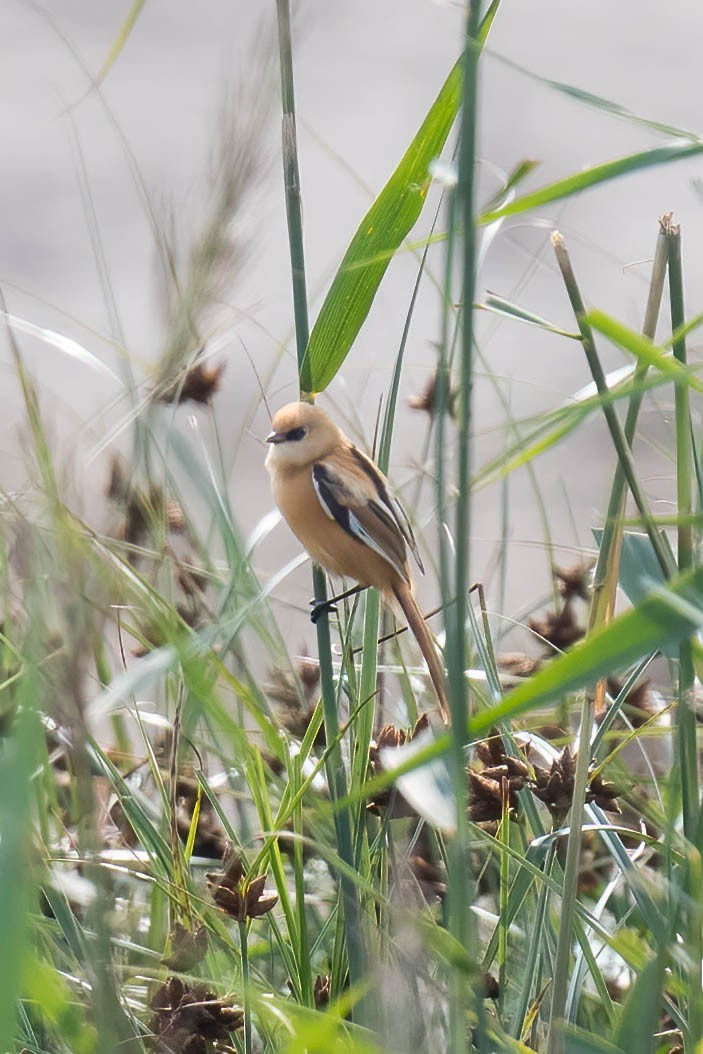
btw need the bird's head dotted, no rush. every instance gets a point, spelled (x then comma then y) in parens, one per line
(300, 434)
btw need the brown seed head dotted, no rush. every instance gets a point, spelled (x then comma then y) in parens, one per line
(188, 947)
(189, 1018)
(558, 628)
(574, 581)
(321, 990)
(236, 896)
(426, 400)
(199, 384)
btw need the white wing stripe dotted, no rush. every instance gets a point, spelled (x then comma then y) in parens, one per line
(358, 531)
(365, 538)
(322, 501)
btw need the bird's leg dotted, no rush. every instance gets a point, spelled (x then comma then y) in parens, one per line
(319, 607)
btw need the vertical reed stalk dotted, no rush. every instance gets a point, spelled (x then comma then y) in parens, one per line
(684, 479)
(612, 529)
(615, 428)
(460, 885)
(336, 776)
(685, 710)
(605, 581)
(244, 948)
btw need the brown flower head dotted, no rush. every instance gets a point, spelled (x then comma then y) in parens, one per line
(555, 787)
(499, 781)
(188, 947)
(426, 400)
(574, 581)
(199, 384)
(490, 986)
(603, 793)
(241, 898)
(431, 878)
(517, 663)
(321, 990)
(189, 1019)
(142, 507)
(558, 628)
(390, 736)
(210, 841)
(639, 705)
(117, 487)
(295, 715)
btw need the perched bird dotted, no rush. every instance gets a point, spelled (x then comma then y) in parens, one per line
(337, 503)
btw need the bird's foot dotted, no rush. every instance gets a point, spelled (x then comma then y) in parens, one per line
(319, 608)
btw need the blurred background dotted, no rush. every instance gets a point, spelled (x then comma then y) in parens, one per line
(88, 176)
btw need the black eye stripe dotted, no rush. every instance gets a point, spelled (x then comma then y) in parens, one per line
(295, 433)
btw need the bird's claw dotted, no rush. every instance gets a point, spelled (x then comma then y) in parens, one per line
(320, 607)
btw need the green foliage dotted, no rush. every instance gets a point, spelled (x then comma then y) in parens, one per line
(381, 232)
(153, 716)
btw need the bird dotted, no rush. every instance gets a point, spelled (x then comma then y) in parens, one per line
(338, 504)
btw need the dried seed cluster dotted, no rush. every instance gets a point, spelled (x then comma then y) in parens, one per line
(391, 736)
(555, 786)
(498, 783)
(503, 776)
(190, 1019)
(295, 714)
(198, 384)
(188, 947)
(240, 898)
(426, 400)
(560, 628)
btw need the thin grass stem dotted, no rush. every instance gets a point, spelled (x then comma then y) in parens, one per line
(612, 420)
(246, 981)
(460, 884)
(685, 710)
(684, 480)
(600, 612)
(336, 776)
(612, 527)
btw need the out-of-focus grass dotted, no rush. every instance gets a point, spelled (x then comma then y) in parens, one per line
(388, 893)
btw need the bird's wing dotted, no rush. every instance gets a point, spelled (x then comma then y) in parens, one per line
(354, 493)
(391, 504)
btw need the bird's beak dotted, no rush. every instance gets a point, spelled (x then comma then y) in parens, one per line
(275, 437)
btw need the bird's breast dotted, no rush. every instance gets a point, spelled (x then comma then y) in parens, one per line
(327, 542)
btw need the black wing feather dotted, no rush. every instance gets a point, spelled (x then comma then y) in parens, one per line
(395, 509)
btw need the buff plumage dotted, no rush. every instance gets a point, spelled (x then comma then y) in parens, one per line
(339, 506)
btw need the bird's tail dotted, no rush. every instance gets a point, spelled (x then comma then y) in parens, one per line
(430, 653)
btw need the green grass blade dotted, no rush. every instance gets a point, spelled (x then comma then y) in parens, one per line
(643, 349)
(501, 306)
(666, 616)
(17, 759)
(121, 39)
(592, 177)
(581, 1042)
(640, 1015)
(382, 230)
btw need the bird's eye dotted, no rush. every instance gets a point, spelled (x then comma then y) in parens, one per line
(295, 433)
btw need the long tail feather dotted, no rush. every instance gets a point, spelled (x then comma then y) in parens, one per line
(403, 594)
